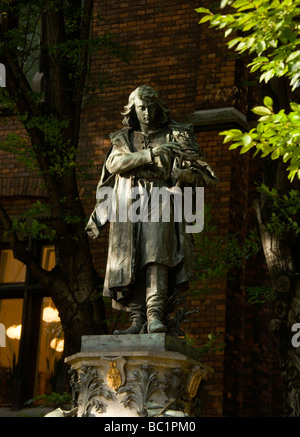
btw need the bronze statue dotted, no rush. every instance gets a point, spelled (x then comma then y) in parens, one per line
(147, 259)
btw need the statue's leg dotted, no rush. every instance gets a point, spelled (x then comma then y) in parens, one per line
(137, 309)
(137, 319)
(156, 296)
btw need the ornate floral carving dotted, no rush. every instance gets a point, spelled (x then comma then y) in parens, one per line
(140, 389)
(87, 390)
(176, 388)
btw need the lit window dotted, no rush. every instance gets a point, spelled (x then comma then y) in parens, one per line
(11, 319)
(48, 257)
(51, 346)
(41, 363)
(11, 270)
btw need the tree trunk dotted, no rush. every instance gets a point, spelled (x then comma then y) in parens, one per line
(279, 250)
(286, 314)
(76, 291)
(73, 284)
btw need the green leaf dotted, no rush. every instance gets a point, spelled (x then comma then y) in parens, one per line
(275, 154)
(268, 102)
(238, 3)
(235, 145)
(246, 140)
(249, 26)
(261, 110)
(295, 81)
(205, 18)
(295, 107)
(228, 32)
(267, 76)
(223, 3)
(266, 118)
(241, 46)
(232, 132)
(261, 47)
(227, 138)
(245, 149)
(233, 42)
(250, 41)
(293, 55)
(203, 11)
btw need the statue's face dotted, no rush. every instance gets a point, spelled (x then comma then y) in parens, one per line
(145, 111)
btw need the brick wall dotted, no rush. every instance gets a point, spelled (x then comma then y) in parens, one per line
(19, 189)
(192, 70)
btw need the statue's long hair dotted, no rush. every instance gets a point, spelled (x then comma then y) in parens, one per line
(145, 92)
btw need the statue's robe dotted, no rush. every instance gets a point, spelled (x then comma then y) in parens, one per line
(132, 245)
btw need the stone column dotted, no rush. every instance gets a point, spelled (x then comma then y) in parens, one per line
(144, 375)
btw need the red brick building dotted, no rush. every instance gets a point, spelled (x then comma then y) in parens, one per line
(202, 83)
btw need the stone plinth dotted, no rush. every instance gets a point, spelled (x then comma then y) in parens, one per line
(151, 375)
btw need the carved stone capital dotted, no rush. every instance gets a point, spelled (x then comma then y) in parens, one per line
(155, 378)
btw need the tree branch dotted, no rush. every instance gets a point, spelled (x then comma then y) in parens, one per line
(20, 251)
(83, 59)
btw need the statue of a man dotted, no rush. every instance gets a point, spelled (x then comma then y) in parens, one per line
(147, 259)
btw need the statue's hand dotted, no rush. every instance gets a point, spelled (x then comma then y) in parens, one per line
(92, 230)
(165, 148)
(183, 174)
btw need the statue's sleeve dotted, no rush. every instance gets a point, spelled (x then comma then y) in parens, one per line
(204, 175)
(120, 161)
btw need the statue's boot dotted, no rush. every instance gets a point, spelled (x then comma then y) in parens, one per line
(156, 297)
(137, 318)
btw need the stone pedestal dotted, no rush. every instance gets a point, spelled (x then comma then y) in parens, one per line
(150, 375)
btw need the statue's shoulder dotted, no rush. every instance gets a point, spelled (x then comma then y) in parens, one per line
(120, 137)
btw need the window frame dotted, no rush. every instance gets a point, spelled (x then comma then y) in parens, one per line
(32, 294)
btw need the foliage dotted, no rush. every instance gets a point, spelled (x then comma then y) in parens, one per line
(284, 210)
(260, 295)
(211, 345)
(52, 399)
(268, 31)
(276, 135)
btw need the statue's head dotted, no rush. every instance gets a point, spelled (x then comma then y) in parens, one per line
(148, 94)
